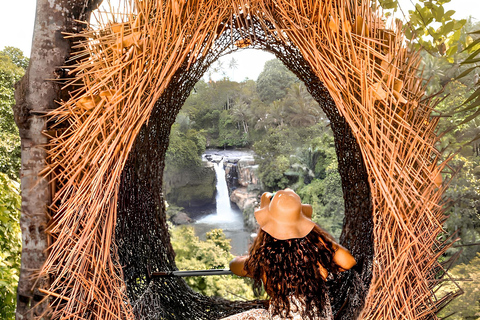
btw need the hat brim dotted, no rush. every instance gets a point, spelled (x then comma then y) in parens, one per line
(283, 230)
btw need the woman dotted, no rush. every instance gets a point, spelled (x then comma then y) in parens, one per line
(292, 257)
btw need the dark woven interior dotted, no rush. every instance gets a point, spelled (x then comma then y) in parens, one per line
(142, 238)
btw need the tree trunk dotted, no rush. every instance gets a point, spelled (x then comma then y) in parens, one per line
(34, 96)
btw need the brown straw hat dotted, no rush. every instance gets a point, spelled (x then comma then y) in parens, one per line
(283, 216)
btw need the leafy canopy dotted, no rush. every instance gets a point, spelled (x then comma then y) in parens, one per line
(10, 245)
(12, 68)
(213, 253)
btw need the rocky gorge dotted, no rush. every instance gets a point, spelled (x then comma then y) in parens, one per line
(191, 191)
(244, 186)
(190, 187)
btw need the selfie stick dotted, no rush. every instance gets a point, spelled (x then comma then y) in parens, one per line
(191, 273)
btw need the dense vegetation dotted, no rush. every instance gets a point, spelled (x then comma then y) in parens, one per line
(12, 68)
(213, 253)
(277, 118)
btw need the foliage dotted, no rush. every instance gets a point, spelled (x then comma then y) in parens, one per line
(456, 133)
(12, 68)
(10, 245)
(314, 158)
(224, 110)
(464, 189)
(17, 57)
(326, 198)
(466, 306)
(429, 26)
(230, 133)
(12, 64)
(464, 213)
(273, 81)
(286, 128)
(310, 169)
(213, 253)
(273, 152)
(472, 103)
(300, 108)
(440, 70)
(186, 144)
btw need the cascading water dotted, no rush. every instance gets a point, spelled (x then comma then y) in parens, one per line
(226, 213)
(227, 216)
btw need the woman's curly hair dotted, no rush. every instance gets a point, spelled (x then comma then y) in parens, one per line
(291, 267)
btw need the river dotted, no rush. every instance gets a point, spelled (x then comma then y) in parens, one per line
(226, 215)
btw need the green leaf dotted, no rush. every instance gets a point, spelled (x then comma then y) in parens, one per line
(459, 24)
(474, 115)
(448, 27)
(473, 96)
(465, 73)
(468, 61)
(452, 50)
(438, 12)
(389, 4)
(448, 14)
(456, 36)
(474, 54)
(471, 45)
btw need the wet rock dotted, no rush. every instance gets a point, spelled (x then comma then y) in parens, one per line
(213, 157)
(247, 201)
(190, 187)
(244, 186)
(230, 160)
(181, 218)
(247, 173)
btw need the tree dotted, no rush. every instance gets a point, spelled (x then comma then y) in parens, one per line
(34, 96)
(12, 63)
(420, 28)
(273, 81)
(324, 191)
(233, 65)
(464, 213)
(213, 253)
(455, 132)
(472, 104)
(10, 245)
(272, 116)
(186, 145)
(466, 306)
(17, 57)
(300, 107)
(315, 156)
(241, 113)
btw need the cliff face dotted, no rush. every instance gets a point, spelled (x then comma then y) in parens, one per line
(190, 187)
(244, 186)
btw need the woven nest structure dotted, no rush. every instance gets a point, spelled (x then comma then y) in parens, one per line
(131, 76)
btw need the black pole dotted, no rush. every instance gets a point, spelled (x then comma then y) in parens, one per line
(191, 273)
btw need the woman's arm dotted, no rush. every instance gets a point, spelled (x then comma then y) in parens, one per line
(343, 258)
(237, 266)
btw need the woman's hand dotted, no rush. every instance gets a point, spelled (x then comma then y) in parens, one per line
(237, 266)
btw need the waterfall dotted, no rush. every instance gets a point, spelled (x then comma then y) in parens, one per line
(227, 216)
(226, 211)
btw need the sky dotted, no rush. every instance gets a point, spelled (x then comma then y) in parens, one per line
(17, 18)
